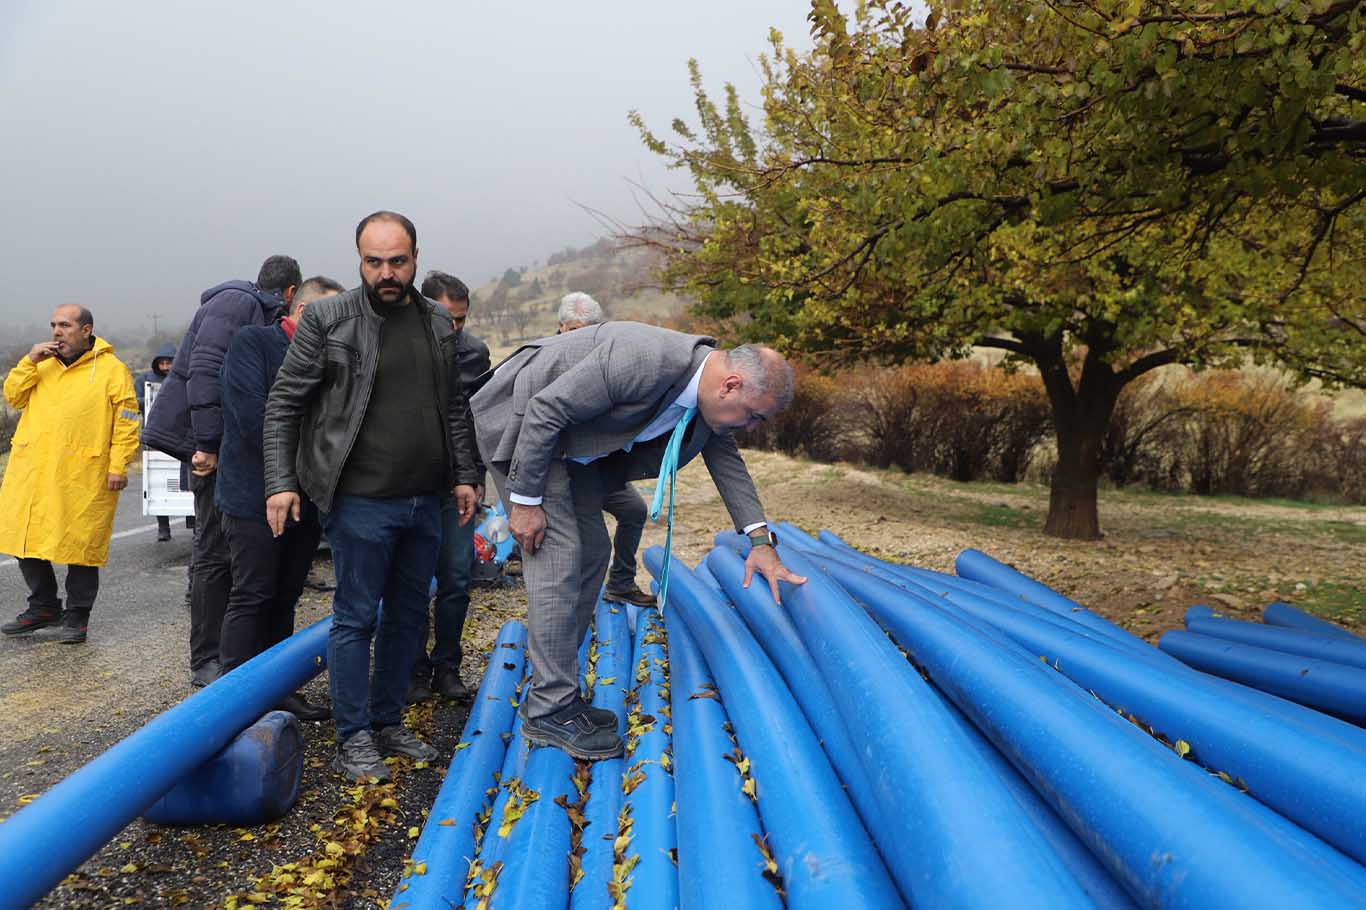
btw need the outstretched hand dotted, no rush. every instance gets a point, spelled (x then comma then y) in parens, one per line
(765, 560)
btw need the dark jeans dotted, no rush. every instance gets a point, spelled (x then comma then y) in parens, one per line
(628, 508)
(268, 575)
(82, 584)
(382, 548)
(452, 592)
(211, 575)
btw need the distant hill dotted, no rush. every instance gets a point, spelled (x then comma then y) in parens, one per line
(522, 304)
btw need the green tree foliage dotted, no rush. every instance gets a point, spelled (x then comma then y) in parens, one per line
(1099, 187)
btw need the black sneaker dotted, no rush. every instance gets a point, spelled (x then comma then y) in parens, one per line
(31, 620)
(73, 628)
(450, 685)
(359, 759)
(573, 731)
(399, 740)
(631, 595)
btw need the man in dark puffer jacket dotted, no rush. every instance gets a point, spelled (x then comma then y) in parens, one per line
(187, 423)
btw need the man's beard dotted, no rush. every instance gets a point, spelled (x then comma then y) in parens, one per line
(372, 291)
(77, 353)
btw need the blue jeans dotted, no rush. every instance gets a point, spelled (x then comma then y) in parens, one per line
(452, 593)
(381, 549)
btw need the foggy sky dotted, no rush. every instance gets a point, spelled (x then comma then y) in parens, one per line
(153, 149)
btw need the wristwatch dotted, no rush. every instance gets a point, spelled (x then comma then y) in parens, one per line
(762, 536)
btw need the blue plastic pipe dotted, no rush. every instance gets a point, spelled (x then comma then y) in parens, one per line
(719, 860)
(925, 768)
(446, 846)
(1171, 833)
(57, 832)
(1316, 781)
(1283, 614)
(823, 853)
(612, 635)
(1334, 688)
(1292, 641)
(990, 607)
(978, 566)
(772, 626)
(535, 874)
(1199, 611)
(654, 837)
(493, 845)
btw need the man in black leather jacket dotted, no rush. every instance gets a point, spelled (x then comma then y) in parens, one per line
(368, 418)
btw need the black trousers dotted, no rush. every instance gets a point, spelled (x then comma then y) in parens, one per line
(211, 576)
(82, 585)
(268, 575)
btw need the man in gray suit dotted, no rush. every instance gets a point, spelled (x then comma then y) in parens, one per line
(565, 420)
(577, 310)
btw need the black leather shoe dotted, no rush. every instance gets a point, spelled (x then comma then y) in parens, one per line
(418, 690)
(205, 675)
(301, 708)
(631, 595)
(449, 684)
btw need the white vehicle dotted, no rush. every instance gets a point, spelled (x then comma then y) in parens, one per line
(161, 492)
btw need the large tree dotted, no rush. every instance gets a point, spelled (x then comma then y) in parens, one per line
(1098, 187)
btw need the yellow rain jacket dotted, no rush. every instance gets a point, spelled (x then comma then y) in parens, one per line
(80, 424)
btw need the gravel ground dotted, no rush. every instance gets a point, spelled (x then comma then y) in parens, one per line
(148, 865)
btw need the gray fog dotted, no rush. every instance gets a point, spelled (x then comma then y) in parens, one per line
(153, 149)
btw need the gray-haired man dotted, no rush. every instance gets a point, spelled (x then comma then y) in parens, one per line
(568, 418)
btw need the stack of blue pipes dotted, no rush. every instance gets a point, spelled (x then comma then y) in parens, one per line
(891, 736)
(1293, 654)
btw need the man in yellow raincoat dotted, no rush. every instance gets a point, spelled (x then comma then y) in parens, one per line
(78, 432)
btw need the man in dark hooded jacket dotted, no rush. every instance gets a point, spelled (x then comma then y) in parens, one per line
(187, 423)
(161, 367)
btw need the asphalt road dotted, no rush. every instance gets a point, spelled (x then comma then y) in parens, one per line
(61, 704)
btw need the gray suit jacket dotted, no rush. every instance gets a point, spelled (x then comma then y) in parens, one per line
(590, 392)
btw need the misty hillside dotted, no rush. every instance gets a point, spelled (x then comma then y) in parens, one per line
(523, 302)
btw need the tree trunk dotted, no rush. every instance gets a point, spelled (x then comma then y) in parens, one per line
(1081, 416)
(1072, 510)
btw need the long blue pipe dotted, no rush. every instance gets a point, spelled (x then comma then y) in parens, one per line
(978, 566)
(1305, 720)
(654, 836)
(1291, 641)
(772, 626)
(1283, 614)
(612, 634)
(1316, 781)
(1171, 833)
(824, 856)
(924, 767)
(446, 846)
(719, 862)
(1334, 688)
(57, 832)
(493, 846)
(536, 862)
